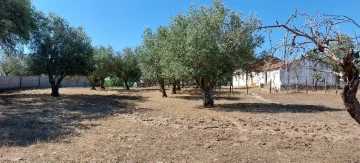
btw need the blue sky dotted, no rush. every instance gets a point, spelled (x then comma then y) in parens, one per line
(120, 23)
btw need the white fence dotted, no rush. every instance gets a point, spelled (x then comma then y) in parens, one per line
(13, 82)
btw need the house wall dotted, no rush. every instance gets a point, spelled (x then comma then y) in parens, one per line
(273, 76)
(302, 72)
(240, 79)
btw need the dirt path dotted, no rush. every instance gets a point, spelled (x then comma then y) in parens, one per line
(176, 129)
(262, 99)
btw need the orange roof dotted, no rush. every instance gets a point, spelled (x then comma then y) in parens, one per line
(266, 63)
(271, 63)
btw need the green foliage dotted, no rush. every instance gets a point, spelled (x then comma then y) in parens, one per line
(211, 42)
(60, 50)
(114, 81)
(104, 61)
(151, 53)
(218, 41)
(175, 52)
(16, 22)
(316, 76)
(127, 66)
(14, 64)
(208, 43)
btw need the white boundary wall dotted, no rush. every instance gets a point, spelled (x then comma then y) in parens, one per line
(13, 82)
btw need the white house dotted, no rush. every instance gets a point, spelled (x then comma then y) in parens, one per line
(299, 72)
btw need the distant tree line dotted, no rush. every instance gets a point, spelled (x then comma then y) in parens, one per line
(56, 49)
(205, 45)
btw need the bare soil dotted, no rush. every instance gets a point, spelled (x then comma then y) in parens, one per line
(140, 126)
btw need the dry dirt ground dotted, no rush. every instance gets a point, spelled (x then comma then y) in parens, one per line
(140, 126)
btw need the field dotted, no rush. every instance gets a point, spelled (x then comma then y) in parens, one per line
(140, 126)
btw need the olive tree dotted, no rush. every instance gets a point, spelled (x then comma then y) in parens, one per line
(17, 20)
(104, 65)
(320, 33)
(151, 55)
(176, 51)
(127, 67)
(218, 42)
(15, 64)
(60, 50)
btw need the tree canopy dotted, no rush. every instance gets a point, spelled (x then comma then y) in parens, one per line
(16, 22)
(104, 63)
(15, 64)
(127, 66)
(208, 43)
(60, 50)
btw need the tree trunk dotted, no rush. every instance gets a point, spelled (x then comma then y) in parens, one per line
(55, 90)
(174, 84)
(102, 83)
(93, 86)
(246, 83)
(206, 86)
(178, 85)
(315, 84)
(93, 80)
(231, 86)
(162, 87)
(351, 78)
(337, 84)
(197, 82)
(55, 85)
(126, 85)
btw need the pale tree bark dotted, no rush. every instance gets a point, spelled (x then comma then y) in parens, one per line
(351, 79)
(320, 31)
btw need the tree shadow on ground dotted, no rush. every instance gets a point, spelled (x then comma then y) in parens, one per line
(135, 90)
(197, 97)
(196, 94)
(273, 108)
(28, 118)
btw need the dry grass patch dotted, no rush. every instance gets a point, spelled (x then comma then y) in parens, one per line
(141, 126)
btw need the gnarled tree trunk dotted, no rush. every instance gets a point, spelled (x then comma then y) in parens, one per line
(197, 82)
(93, 82)
(93, 86)
(126, 85)
(55, 85)
(320, 31)
(102, 83)
(207, 86)
(351, 79)
(162, 87)
(178, 85)
(174, 87)
(55, 90)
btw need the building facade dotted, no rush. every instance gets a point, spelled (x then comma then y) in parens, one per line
(299, 72)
